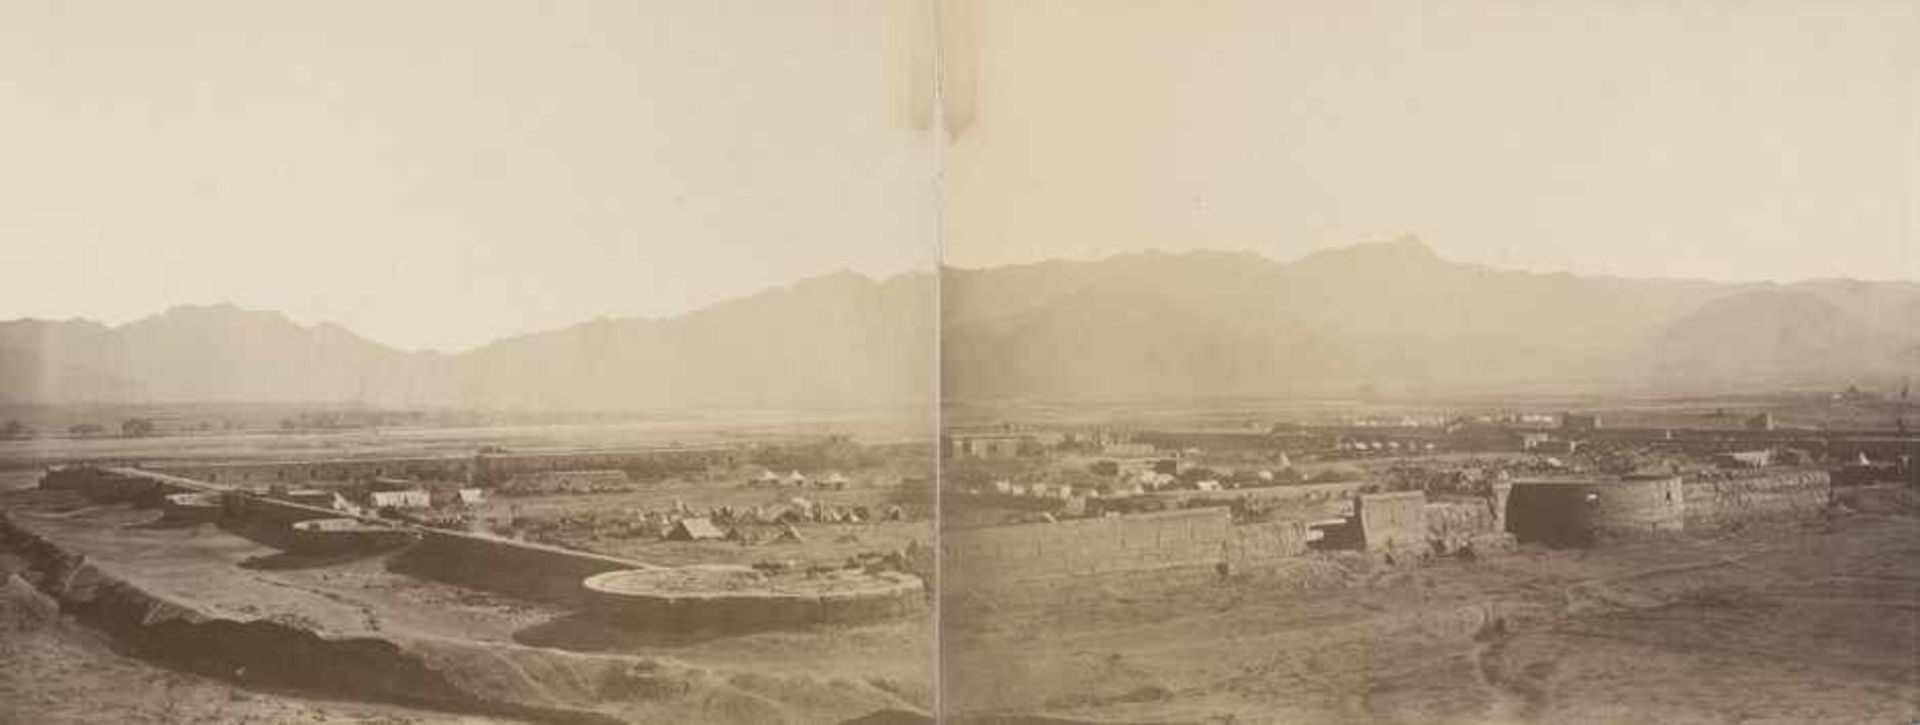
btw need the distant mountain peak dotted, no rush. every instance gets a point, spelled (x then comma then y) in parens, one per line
(210, 307)
(1404, 249)
(837, 278)
(216, 312)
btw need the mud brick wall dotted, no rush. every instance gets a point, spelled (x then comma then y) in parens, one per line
(890, 595)
(1267, 541)
(1453, 524)
(1086, 546)
(269, 521)
(1583, 512)
(489, 468)
(267, 473)
(102, 486)
(1392, 520)
(1772, 496)
(1641, 505)
(116, 485)
(495, 468)
(267, 511)
(1202, 537)
(515, 568)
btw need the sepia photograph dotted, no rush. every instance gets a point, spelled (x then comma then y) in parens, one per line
(987, 362)
(431, 362)
(1467, 362)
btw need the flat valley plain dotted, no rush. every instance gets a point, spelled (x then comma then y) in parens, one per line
(1807, 621)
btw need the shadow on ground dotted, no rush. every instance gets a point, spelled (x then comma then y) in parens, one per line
(583, 632)
(288, 560)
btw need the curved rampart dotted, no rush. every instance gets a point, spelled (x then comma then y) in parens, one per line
(1583, 512)
(739, 598)
(507, 681)
(515, 568)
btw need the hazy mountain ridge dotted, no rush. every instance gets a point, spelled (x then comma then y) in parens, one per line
(1391, 317)
(1396, 318)
(835, 342)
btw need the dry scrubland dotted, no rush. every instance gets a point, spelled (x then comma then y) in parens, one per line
(1808, 622)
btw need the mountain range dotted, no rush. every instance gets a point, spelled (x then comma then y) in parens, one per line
(841, 341)
(1391, 318)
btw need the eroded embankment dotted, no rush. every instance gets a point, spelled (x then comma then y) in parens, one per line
(522, 682)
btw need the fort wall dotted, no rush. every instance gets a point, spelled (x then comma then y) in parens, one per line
(1392, 521)
(1451, 525)
(515, 568)
(628, 598)
(496, 468)
(1580, 512)
(486, 468)
(1714, 504)
(1078, 547)
(267, 473)
(118, 485)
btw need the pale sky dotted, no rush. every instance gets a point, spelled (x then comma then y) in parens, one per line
(1725, 139)
(435, 174)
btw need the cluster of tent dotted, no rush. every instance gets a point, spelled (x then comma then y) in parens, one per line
(729, 523)
(796, 479)
(1383, 446)
(703, 529)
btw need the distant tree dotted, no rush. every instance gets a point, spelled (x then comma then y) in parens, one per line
(1105, 468)
(15, 431)
(136, 427)
(86, 430)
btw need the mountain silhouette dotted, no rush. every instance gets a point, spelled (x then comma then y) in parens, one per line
(1393, 317)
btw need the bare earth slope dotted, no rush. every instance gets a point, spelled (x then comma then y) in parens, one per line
(1788, 623)
(204, 601)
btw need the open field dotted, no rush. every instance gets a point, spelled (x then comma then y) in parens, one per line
(257, 437)
(1801, 409)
